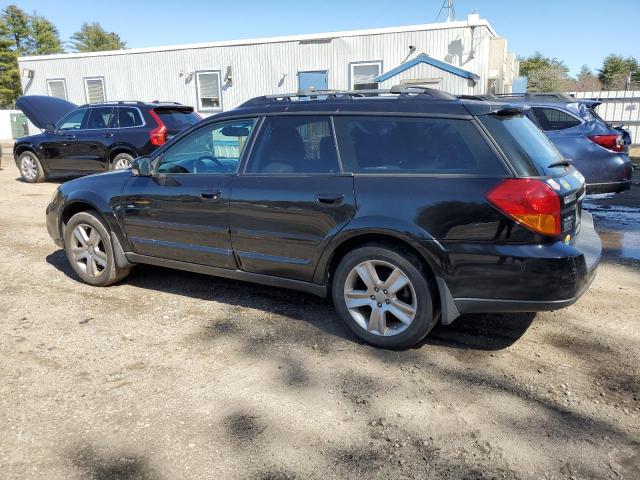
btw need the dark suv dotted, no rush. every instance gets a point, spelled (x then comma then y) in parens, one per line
(406, 206)
(93, 138)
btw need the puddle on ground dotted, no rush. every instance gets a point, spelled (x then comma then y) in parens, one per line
(618, 226)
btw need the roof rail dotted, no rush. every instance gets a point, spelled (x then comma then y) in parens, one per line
(162, 101)
(538, 96)
(314, 94)
(115, 102)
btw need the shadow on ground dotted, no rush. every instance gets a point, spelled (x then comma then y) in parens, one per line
(486, 332)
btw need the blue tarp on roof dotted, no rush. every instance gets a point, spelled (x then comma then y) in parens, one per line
(424, 58)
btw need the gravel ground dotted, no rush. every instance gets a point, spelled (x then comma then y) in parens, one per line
(174, 375)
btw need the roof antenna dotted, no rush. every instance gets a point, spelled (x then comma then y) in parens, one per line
(451, 10)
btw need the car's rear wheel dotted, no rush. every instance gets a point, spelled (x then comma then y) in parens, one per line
(384, 295)
(121, 161)
(89, 250)
(30, 168)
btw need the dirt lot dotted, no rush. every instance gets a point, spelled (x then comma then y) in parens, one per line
(172, 375)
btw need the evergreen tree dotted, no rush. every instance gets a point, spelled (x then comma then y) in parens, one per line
(545, 74)
(19, 26)
(615, 71)
(10, 88)
(93, 38)
(44, 38)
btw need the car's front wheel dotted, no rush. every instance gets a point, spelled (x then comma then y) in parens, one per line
(30, 168)
(383, 295)
(89, 250)
(121, 161)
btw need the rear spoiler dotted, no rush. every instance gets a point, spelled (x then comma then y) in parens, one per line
(590, 103)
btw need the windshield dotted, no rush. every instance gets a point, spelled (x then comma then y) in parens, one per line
(528, 149)
(176, 119)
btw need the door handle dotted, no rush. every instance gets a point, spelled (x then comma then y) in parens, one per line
(212, 195)
(329, 198)
(71, 137)
(107, 135)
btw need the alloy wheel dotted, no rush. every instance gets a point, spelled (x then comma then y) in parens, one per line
(88, 250)
(122, 164)
(380, 297)
(28, 167)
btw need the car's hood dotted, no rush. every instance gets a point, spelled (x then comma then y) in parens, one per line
(42, 110)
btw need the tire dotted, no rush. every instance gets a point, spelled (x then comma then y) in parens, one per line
(91, 254)
(121, 161)
(417, 294)
(30, 167)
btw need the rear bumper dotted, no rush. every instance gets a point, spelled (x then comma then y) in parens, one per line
(610, 187)
(556, 277)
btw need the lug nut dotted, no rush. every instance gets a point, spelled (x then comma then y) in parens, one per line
(387, 301)
(385, 292)
(373, 297)
(376, 289)
(379, 305)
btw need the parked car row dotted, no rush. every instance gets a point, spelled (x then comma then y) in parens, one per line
(93, 138)
(405, 207)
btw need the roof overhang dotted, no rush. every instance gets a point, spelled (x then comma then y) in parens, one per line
(424, 58)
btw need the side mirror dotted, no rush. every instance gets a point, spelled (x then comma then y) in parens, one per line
(50, 127)
(141, 167)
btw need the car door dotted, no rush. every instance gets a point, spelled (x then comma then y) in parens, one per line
(291, 199)
(93, 141)
(59, 147)
(181, 211)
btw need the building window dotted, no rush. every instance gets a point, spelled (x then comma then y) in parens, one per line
(361, 75)
(94, 90)
(208, 87)
(57, 88)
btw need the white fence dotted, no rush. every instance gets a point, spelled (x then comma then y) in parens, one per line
(618, 107)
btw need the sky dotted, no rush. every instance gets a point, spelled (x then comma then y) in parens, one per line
(577, 31)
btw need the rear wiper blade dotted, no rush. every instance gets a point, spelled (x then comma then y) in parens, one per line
(561, 163)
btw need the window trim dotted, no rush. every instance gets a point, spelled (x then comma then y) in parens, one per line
(580, 120)
(86, 89)
(362, 62)
(198, 99)
(64, 85)
(157, 159)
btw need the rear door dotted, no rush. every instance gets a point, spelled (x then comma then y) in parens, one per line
(94, 140)
(291, 199)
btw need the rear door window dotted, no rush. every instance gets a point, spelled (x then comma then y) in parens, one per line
(101, 117)
(388, 144)
(176, 119)
(553, 119)
(129, 117)
(529, 150)
(295, 144)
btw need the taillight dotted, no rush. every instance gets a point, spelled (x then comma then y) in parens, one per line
(159, 134)
(615, 143)
(529, 202)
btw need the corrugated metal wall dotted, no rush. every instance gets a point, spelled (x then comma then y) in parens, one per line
(269, 68)
(618, 107)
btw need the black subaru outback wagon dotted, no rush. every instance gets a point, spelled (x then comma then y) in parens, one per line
(93, 138)
(407, 207)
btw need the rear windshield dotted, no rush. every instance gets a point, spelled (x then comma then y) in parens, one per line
(528, 149)
(176, 119)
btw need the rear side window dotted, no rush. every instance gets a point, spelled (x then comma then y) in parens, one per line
(528, 149)
(414, 145)
(129, 117)
(176, 119)
(554, 119)
(101, 117)
(295, 144)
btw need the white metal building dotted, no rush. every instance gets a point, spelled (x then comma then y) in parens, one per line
(461, 57)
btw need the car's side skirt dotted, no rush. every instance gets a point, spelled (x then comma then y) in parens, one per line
(313, 288)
